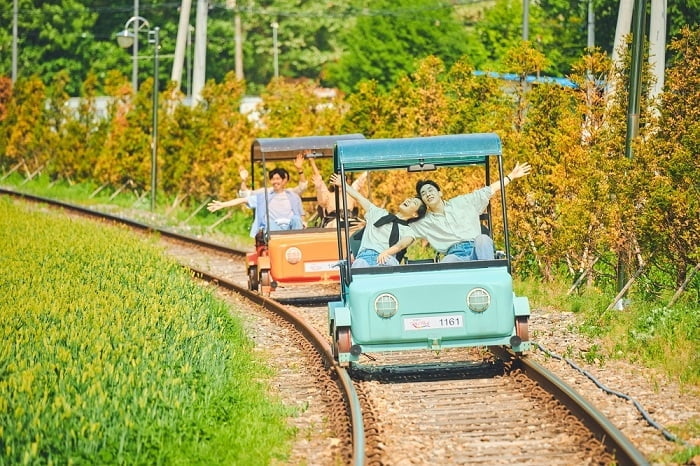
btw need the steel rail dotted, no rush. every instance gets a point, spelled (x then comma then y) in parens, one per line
(322, 346)
(616, 442)
(167, 232)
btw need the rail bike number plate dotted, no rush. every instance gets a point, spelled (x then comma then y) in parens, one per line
(432, 322)
(320, 266)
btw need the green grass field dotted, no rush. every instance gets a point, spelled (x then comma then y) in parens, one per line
(111, 354)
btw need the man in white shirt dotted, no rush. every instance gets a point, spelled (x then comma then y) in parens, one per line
(452, 227)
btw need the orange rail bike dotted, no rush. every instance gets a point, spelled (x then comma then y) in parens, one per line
(292, 257)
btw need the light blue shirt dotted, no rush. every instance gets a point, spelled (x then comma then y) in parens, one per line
(291, 217)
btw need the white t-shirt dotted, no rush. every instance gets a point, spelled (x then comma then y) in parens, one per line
(377, 238)
(459, 222)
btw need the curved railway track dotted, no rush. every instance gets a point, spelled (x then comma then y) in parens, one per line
(454, 407)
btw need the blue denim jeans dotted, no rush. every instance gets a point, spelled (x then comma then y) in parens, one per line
(479, 249)
(368, 258)
(293, 224)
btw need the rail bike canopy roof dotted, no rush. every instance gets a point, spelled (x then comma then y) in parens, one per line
(416, 154)
(288, 148)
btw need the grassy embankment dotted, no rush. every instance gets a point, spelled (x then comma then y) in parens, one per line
(111, 354)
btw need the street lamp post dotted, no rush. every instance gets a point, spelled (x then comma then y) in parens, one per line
(135, 52)
(274, 48)
(125, 39)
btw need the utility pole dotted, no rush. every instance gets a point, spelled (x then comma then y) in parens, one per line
(135, 51)
(200, 50)
(275, 53)
(635, 87)
(190, 30)
(238, 30)
(15, 11)
(591, 26)
(526, 19)
(624, 20)
(633, 109)
(657, 46)
(238, 37)
(183, 31)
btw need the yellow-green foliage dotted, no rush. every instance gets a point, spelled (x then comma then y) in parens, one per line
(26, 124)
(110, 353)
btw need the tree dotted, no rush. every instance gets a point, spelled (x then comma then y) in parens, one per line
(217, 141)
(25, 125)
(664, 189)
(317, 40)
(386, 43)
(81, 135)
(307, 37)
(126, 154)
(53, 36)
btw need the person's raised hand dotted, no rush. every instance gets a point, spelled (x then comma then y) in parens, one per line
(520, 170)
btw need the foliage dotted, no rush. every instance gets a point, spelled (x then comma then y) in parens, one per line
(642, 333)
(111, 354)
(126, 155)
(5, 95)
(222, 141)
(293, 108)
(25, 126)
(59, 119)
(316, 39)
(646, 333)
(501, 29)
(384, 46)
(566, 202)
(665, 190)
(54, 36)
(307, 38)
(5, 101)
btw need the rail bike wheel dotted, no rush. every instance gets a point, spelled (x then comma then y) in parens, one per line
(253, 280)
(521, 328)
(343, 341)
(265, 282)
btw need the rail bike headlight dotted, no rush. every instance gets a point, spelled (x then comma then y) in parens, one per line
(293, 255)
(386, 305)
(478, 300)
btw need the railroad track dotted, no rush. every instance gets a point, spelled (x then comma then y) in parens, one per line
(454, 407)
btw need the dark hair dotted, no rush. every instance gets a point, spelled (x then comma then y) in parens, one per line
(421, 212)
(422, 183)
(284, 174)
